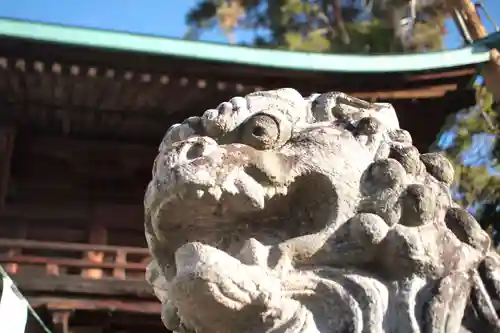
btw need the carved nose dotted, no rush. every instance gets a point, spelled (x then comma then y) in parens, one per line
(196, 147)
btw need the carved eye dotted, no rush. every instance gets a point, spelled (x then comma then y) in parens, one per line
(367, 126)
(261, 132)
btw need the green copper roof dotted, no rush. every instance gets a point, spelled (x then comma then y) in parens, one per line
(491, 41)
(121, 41)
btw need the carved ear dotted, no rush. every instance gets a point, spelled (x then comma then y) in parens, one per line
(155, 278)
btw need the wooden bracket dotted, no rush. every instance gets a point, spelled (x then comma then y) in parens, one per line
(61, 321)
(97, 235)
(7, 137)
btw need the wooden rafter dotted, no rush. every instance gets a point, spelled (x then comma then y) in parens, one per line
(475, 28)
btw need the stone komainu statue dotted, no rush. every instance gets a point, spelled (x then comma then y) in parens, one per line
(279, 213)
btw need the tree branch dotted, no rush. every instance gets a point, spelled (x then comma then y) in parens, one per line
(339, 23)
(476, 29)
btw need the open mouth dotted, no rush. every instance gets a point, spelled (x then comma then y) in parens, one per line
(227, 195)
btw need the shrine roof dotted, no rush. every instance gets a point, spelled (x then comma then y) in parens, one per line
(229, 54)
(123, 86)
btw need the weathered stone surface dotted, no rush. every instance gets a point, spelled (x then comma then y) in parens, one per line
(279, 213)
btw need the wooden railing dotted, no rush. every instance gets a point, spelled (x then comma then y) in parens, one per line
(59, 258)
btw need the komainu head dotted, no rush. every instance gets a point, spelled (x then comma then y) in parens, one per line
(280, 213)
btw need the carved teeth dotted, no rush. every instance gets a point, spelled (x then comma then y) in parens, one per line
(271, 191)
(251, 188)
(215, 192)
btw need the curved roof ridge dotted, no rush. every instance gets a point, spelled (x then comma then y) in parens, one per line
(278, 59)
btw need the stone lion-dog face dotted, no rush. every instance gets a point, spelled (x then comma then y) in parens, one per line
(278, 213)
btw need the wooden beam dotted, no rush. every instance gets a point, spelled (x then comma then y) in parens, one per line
(417, 93)
(7, 136)
(66, 232)
(76, 285)
(59, 303)
(60, 246)
(19, 233)
(78, 263)
(40, 144)
(47, 212)
(476, 30)
(119, 322)
(470, 16)
(121, 216)
(91, 265)
(91, 328)
(85, 189)
(464, 72)
(47, 232)
(102, 157)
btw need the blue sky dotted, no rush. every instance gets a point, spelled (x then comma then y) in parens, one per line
(159, 17)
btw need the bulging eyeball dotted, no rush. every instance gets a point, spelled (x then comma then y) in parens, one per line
(260, 131)
(367, 126)
(264, 131)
